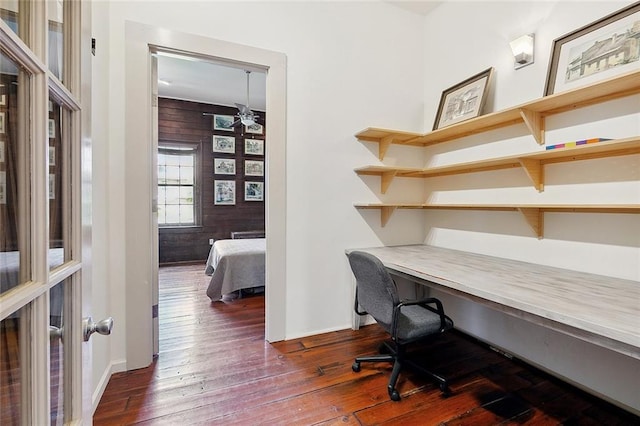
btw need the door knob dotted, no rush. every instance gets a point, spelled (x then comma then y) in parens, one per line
(55, 332)
(101, 327)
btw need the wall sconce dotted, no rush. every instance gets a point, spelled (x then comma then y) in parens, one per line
(522, 49)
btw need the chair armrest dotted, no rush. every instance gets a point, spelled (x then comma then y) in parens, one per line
(439, 309)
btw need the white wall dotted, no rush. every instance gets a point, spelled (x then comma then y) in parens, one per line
(349, 66)
(107, 276)
(607, 244)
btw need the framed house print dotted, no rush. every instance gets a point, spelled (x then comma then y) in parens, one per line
(602, 49)
(3, 95)
(463, 101)
(254, 146)
(253, 168)
(254, 128)
(2, 152)
(2, 124)
(52, 155)
(254, 191)
(223, 122)
(225, 144)
(224, 192)
(224, 166)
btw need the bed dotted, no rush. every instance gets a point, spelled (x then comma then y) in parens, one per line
(235, 265)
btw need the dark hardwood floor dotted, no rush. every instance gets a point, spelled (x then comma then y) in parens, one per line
(214, 367)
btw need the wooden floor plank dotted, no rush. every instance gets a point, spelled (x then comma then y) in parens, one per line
(215, 367)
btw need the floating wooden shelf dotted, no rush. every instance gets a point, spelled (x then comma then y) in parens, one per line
(531, 163)
(533, 214)
(532, 114)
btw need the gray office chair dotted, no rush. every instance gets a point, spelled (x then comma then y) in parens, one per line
(406, 321)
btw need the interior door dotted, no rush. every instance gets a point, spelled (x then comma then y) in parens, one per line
(41, 212)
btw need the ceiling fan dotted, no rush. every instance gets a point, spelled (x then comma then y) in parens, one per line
(245, 115)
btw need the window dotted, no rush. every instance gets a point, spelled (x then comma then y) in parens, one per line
(177, 186)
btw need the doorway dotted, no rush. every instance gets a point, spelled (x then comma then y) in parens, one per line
(141, 40)
(203, 146)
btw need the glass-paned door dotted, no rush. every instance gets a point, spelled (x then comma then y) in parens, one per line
(40, 222)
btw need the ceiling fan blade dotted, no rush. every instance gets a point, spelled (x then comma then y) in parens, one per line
(236, 123)
(244, 109)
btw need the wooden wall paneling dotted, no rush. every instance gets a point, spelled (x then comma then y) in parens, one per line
(183, 121)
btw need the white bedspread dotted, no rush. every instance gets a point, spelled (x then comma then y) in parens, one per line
(234, 265)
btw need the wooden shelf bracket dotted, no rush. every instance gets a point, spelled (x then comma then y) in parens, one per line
(535, 123)
(385, 180)
(535, 219)
(385, 214)
(535, 172)
(383, 146)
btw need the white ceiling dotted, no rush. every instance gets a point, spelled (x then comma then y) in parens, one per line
(421, 7)
(198, 80)
(211, 82)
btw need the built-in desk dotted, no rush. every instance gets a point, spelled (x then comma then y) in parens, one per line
(595, 308)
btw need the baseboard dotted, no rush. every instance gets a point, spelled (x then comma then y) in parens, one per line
(326, 330)
(114, 367)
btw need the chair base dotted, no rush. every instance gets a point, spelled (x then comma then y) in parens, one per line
(399, 359)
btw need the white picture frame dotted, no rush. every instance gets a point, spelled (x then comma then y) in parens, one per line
(224, 166)
(254, 191)
(52, 156)
(254, 129)
(223, 122)
(224, 144)
(224, 192)
(3, 95)
(52, 128)
(254, 146)
(253, 168)
(2, 122)
(1, 151)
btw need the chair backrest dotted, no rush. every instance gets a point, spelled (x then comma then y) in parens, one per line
(377, 293)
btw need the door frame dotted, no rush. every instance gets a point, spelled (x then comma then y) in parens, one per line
(140, 40)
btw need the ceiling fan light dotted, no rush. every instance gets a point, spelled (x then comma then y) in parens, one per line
(247, 121)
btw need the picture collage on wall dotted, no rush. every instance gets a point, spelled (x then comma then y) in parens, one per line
(3, 146)
(231, 160)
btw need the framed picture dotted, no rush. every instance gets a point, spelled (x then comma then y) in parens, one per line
(226, 144)
(52, 128)
(600, 50)
(254, 128)
(223, 122)
(52, 155)
(2, 126)
(254, 146)
(3, 95)
(253, 168)
(254, 191)
(52, 187)
(3, 187)
(463, 101)
(224, 192)
(2, 152)
(224, 166)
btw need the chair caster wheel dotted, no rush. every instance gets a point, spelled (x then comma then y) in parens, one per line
(355, 366)
(445, 390)
(394, 395)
